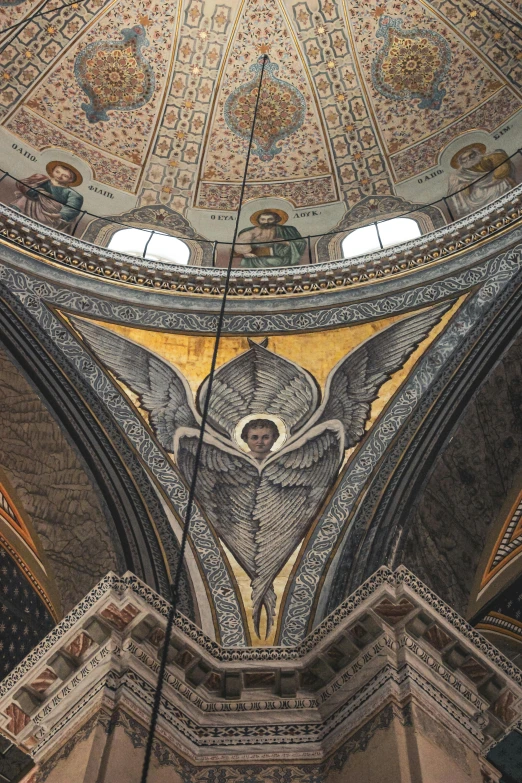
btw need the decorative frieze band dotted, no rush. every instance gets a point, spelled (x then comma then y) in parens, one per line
(392, 642)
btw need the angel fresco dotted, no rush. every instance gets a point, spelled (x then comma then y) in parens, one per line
(272, 447)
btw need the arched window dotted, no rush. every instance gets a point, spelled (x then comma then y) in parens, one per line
(390, 232)
(159, 247)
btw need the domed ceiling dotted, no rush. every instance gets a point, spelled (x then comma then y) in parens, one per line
(152, 102)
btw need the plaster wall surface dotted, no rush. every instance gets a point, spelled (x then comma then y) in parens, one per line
(54, 488)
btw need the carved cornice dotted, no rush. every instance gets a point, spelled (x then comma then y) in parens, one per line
(392, 642)
(30, 237)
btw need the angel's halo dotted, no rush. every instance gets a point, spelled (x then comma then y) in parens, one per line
(278, 421)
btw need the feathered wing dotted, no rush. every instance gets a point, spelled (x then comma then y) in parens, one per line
(227, 485)
(294, 483)
(260, 381)
(163, 391)
(355, 381)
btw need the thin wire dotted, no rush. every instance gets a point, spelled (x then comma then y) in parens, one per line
(505, 20)
(411, 211)
(22, 26)
(184, 538)
(34, 16)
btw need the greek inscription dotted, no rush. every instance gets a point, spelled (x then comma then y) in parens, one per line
(23, 152)
(430, 176)
(501, 132)
(100, 191)
(309, 213)
(222, 217)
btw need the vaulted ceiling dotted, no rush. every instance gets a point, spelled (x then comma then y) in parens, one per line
(153, 102)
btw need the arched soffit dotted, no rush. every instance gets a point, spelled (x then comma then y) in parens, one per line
(88, 499)
(29, 600)
(495, 605)
(452, 474)
(470, 481)
(55, 489)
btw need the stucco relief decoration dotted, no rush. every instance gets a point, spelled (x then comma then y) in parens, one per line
(282, 110)
(272, 447)
(115, 75)
(411, 64)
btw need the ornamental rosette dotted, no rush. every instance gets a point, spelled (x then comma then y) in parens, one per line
(281, 110)
(114, 75)
(411, 64)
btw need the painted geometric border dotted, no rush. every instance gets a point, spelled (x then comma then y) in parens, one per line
(222, 591)
(307, 578)
(508, 544)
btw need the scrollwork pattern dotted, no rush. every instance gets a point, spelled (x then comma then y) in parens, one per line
(301, 593)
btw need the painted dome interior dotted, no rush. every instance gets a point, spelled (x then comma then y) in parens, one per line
(367, 111)
(257, 391)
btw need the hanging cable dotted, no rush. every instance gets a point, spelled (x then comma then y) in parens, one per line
(174, 587)
(505, 20)
(25, 22)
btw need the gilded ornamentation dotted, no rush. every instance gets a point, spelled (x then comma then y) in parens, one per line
(282, 109)
(115, 75)
(271, 446)
(411, 64)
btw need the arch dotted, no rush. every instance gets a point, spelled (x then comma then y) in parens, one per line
(129, 508)
(152, 245)
(374, 208)
(407, 501)
(376, 236)
(156, 217)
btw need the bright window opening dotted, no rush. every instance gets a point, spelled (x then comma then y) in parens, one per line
(160, 247)
(391, 232)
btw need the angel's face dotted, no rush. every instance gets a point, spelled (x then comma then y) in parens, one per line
(260, 441)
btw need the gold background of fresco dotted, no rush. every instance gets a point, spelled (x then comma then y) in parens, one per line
(317, 352)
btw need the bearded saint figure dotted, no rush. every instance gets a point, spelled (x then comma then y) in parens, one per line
(270, 243)
(51, 199)
(471, 186)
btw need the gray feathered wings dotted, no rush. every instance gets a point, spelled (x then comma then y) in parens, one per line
(261, 511)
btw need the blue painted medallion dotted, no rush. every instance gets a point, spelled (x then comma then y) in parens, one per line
(411, 64)
(115, 75)
(281, 110)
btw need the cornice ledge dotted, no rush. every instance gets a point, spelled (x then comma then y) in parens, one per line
(392, 641)
(28, 236)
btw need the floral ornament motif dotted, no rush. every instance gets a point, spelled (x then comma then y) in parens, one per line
(411, 64)
(115, 75)
(281, 110)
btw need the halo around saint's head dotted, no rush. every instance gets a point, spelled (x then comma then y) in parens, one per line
(278, 421)
(78, 179)
(283, 216)
(454, 163)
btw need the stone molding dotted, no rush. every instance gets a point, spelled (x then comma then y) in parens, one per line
(40, 298)
(393, 642)
(443, 244)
